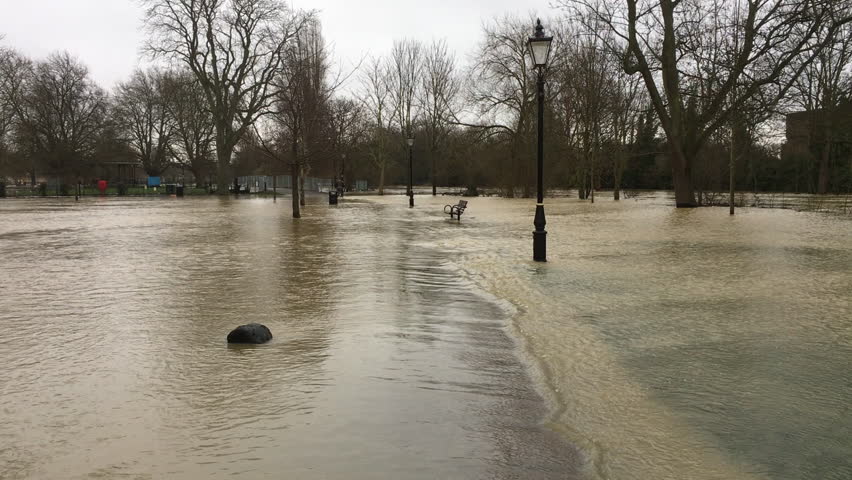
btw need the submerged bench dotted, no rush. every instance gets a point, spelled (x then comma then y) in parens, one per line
(456, 210)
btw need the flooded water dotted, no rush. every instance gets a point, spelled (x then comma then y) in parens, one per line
(656, 343)
(683, 343)
(386, 361)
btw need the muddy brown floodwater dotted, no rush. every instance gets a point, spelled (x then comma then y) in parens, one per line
(657, 344)
(387, 361)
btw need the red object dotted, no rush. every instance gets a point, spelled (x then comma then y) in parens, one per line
(102, 186)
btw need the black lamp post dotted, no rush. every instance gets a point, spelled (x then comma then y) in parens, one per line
(410, 172)
(540, 51)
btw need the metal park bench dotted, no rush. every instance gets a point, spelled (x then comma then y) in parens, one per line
(456, 210)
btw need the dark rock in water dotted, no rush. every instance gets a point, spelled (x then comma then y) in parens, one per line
(251, 333)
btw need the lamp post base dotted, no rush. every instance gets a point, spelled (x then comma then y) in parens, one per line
(540, 246)
(539, 235)
(411, 201)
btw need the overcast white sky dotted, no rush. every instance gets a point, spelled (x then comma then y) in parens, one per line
(107, 34)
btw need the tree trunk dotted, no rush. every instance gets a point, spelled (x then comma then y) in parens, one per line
(382, 179)
(223, 160)
(592, 182)
(294, 186)
(616, 189)
(434, 174)
(682, 178)
(731, 172)
(528, 175)
(618, 172)
(302, 188)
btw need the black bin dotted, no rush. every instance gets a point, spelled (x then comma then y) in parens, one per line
(2, 190)
(179, 190)
(170, 189)
(332, 198)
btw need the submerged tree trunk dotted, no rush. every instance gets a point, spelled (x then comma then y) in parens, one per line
(302, 174)
(223, 157)
(434, 174)
(731, 170)
(682, 178)
(382, 179)
(592, 182)
(294, 184)
(618, 172)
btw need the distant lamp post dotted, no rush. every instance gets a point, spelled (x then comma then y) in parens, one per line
(410, 172)
(540, 51)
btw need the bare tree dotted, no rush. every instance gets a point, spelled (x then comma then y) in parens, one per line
(8, 60)
(406, 66)
(194, 135)
(377, 98)
(61, 113)
(346, 119)
(821, 88)
(674, 46)
(628, 104)
(440, 91)
(142, 114)
(302, 103)
(503, 89)
(235, 48)
(591, 84)
(16, 74)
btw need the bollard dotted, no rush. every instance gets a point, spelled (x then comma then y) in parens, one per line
(332, 197)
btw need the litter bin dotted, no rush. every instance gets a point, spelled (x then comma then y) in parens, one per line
(179, 190)
(332, 197)
(2, 190)
(170, 189)
(122, 189)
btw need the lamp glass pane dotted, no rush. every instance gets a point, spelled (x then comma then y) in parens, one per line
(540, 50)
(410, 142)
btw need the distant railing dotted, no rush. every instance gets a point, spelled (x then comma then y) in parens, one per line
(259, 183)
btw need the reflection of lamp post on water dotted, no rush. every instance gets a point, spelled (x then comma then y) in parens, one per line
(540, 51)
(410, 141)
